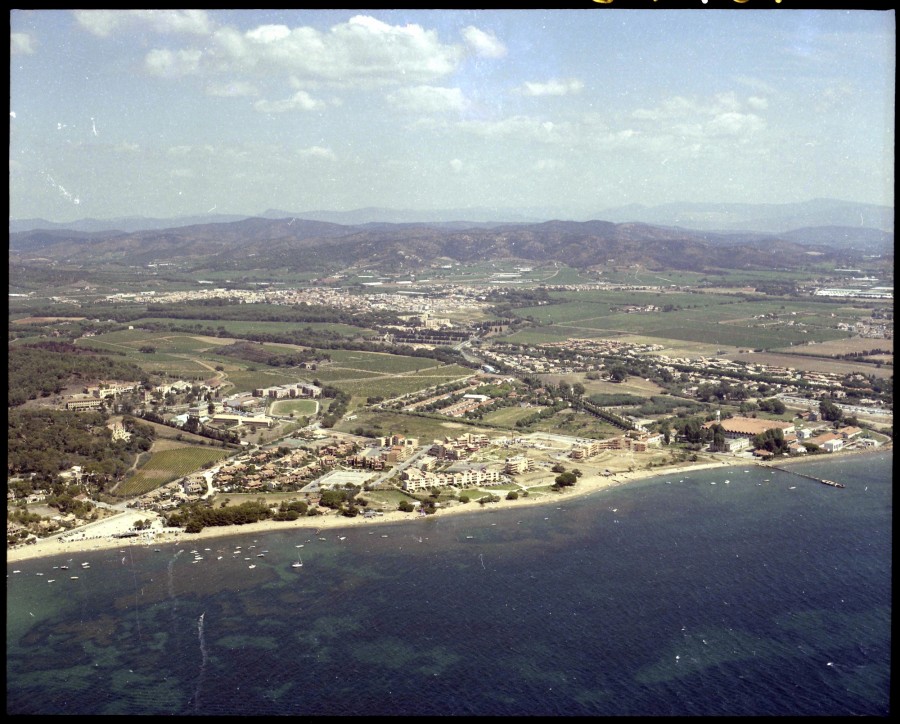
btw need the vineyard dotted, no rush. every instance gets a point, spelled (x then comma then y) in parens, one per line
(168, 465)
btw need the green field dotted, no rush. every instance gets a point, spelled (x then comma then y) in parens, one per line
(425, 428)
(713, 319)
(247, 381)
(305, 408)
(508, 416)
(240, 328)
(403, 384)
(377, 361)
(168, 465)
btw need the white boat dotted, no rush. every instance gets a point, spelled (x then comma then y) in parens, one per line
(298, 564)
(252, 565)
(74, 578)
(50, 580)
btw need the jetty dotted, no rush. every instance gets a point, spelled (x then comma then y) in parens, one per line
(832, 483)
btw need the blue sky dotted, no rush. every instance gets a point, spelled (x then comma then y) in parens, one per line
(166, 113)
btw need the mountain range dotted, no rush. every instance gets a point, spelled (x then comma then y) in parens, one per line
(291, 242)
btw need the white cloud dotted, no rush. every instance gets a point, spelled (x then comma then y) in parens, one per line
(734, 124)
(171, 63)
(300, 101)
(723, 115)
(105, 22)
(269, 33)
(483, 43)
(361, 51)
(234, 89)
(429, 99)
(552, 88)
(547, 164)
(21, 44)
(456, 165)
(519, 128)
(316, 152)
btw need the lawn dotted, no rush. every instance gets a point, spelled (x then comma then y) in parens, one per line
(305, 408)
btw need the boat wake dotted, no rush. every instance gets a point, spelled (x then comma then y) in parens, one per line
(203, 660)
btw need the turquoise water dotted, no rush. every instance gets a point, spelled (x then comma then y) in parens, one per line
(765, 595)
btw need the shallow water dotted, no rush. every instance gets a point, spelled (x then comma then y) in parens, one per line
(666, 596)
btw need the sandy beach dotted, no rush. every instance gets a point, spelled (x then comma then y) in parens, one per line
(99, 535)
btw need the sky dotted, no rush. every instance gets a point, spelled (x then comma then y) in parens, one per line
(167, 113)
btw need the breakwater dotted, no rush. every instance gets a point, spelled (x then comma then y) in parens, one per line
(832, 483)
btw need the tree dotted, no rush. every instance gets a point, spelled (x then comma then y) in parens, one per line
(512, 495)
(830, 411)
(565, 479)
(718, 438)
(558, 468)
(405, 506)
(618, 373)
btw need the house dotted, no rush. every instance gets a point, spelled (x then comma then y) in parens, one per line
(849, 432)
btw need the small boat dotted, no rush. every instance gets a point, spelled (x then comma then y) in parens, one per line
(74, 578)
(39, 574)
(50, 580)
(64, 568)
(298, 564)
(17, 571)
(343, 537)
(252, 565)
(793, 487)
(260, 555)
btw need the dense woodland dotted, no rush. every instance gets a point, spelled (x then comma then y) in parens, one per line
(46, 368)
(47, 442)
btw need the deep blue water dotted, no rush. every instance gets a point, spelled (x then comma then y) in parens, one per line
(669, 596)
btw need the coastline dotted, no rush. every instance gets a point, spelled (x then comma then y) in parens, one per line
(585, 486)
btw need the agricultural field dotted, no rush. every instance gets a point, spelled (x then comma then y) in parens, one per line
(378, 361)
(578, 424)
(168, 465)
(812, 364)
(508, 416)
(714, 319)
(852, 345)
(403, 384)
(249, 380)
(389, 422)
(241, 328)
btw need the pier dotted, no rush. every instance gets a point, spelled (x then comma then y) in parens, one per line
(809, 477)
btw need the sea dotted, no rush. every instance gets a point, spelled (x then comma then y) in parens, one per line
(734, 591)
